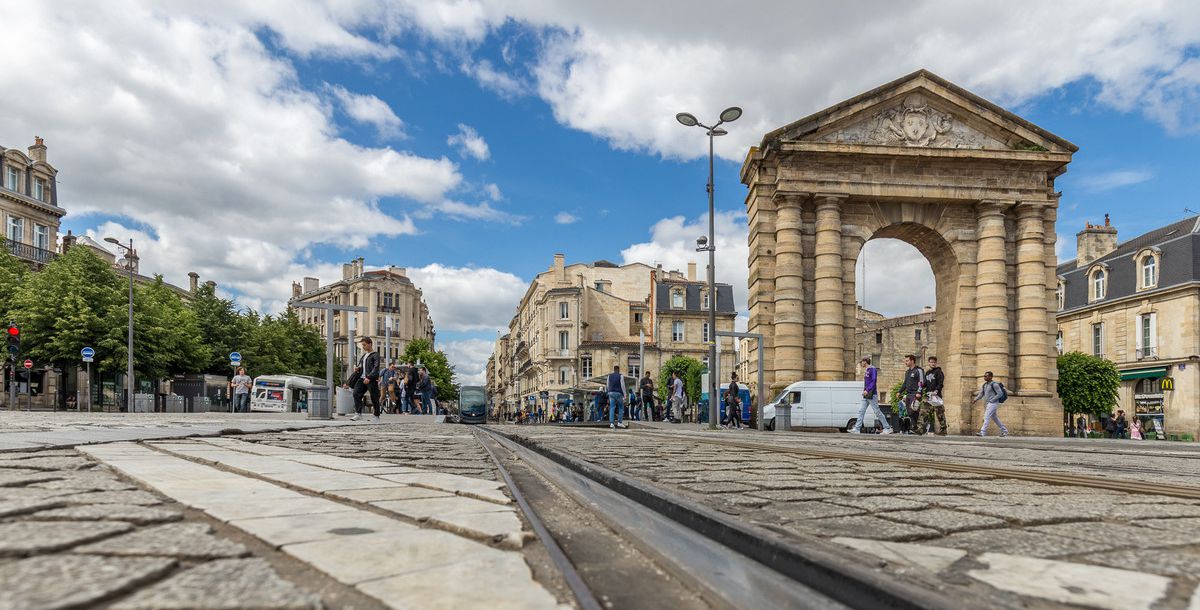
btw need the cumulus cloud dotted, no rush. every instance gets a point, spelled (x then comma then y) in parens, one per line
(469, 298)
(458, 210)
(493, 192)
(899, 280)
(673, 244)
(1107, 181)
(469, 358)
(192, 127)
(565, 218)
(370, 110)
(504, 84)
(469, 143)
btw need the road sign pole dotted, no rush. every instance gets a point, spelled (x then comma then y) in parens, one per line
(89, 389)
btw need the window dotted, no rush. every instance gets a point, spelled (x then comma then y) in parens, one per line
(1097, 340)
(917, 335)
(12, 178)
(600, 286)
(16, 229)
(564, 375)
(585, 364)
(564, 340)
(39, 189)
(564, 311)
(677, 331)
(677, 299)
(637, 318)
(387, 299)
(41, 236)
(704, 333)
(704, 299)
(635, 366)
(1149, 271)
(705, 362)
(1099, 283)
(878, 337)
(1061, 293)
(1147, 336)
(1058, 342)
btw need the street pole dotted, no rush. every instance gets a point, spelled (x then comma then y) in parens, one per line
(129, 354)
(387, 340)
(329, 351)
(89, 388)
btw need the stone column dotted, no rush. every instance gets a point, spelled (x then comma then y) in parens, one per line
(1031, 327)
(828, 323)
(991, 299)
(789, 294)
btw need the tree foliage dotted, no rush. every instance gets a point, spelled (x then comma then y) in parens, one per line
(274, 345)
(166, 336)
(1087, 384)
(689, 369)
(12, 276)
(421, 350)
(222, 328)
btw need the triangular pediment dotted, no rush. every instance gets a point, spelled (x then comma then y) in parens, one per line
(921, 110)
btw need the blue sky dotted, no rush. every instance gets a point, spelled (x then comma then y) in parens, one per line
(258, 143)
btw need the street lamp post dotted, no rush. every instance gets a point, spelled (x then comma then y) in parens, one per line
(710, 244)
(129, 257)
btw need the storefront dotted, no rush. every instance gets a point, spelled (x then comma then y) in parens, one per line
(1149, 388)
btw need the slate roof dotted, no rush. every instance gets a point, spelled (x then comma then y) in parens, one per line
(1179, 263)
(691, 299)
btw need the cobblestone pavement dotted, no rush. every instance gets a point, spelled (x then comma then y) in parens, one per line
(440, 447)
(75, 535)
(1022, 544)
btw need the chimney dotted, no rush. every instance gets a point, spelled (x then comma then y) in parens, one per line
(211, 284)
(193, 280)
(68, 240)
(295, 289)
(358, 264)
(37, 152)
(400, 271)
(691, 272)
(311, 284)
(560, 268)
(347, 270)
(1094, 242)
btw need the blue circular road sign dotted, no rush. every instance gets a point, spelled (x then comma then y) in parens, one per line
(87, 352)
(235, 357)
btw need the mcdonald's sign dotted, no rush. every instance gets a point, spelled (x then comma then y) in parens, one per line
(1168, 384)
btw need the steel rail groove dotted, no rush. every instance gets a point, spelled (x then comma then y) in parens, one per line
(1076, 480)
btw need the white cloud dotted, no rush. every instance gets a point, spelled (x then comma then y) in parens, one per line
(565, 218)
(465, 211)
(370, 110)
(469, 358)
(1107, 181)
(469, 143)
(899, 280)
(468, 298)
(673, 244)
(506, 85)
(189, 125)
(493, 192)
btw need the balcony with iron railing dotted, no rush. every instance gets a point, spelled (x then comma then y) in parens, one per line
(28, 252)
(1147, 352)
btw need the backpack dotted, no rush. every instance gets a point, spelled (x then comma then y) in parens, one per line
(1002, 395)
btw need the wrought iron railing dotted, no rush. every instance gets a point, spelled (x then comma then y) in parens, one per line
(28, 252)
(1146, 352)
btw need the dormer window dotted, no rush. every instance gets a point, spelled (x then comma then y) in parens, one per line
(1061, 294)
(1099, 283)
(12, 178)
(704, 300)
(1147, 261)
(677, 299)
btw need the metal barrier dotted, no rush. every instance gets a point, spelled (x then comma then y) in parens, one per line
(201, 404)
(143, 403)
(318, 403)
(176, 404)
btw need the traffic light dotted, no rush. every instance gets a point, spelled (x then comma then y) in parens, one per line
(14, 340)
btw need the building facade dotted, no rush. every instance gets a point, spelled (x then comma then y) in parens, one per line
(29, 204)
(1137, 304)
(390, 297)
(886, 341)
(575, 322)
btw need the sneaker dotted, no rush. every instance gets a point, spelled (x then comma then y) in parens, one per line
(612, 426)
(980, 434)
(355, 417)
(855, 431)
(622, 425)
(1004, 434)
(375, 419)
(887, 431)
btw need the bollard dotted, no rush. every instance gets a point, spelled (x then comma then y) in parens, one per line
(783, 417)
(318, 403)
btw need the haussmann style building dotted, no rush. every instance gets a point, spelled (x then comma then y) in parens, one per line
(1137, 304)
(29, 204)
(575, 322)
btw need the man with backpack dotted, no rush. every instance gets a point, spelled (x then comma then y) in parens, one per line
(933, 412)
(914, 382)
(870, 399)
(993, 394)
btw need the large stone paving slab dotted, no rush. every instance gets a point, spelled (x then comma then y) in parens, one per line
(140, 515)
(183, 540)
(26, 537)
(224, 584)
(51, 582)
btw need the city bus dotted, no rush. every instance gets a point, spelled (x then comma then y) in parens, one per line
(282, 393)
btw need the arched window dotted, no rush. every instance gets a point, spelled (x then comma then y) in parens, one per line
(1061, 294)
(1099, 284)
(1149, 271)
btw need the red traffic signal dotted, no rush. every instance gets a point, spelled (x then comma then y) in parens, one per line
(13, 331)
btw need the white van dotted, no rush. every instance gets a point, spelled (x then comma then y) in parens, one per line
(821, 404)
(282, 393)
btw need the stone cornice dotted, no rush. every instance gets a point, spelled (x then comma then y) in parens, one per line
(30, 202)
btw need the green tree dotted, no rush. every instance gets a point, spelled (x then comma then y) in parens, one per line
(1087, 384)
(166, 336)
(281, 344)
(67, 306)
(436, 363)
(222, 329)
(689, 369)
(12, 276)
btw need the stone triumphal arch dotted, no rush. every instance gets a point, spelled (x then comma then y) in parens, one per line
(967, 183)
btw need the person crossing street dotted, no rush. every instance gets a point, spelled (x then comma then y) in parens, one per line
(992, 393)
(616, 396)
(365, 379)
(934, 410)
(870, 399)
(914, 379)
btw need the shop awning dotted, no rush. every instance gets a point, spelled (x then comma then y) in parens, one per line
(1144, 373)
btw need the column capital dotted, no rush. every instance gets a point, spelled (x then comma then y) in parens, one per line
(831, 197)
(993, 207)
(789, 199)
(1029, 209)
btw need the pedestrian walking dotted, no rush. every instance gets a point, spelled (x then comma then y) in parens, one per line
(616, 395)
(933, 412)
(914, 379)
(870, 399)
(676, 399)
(993, 394)
(733, 403)
(1081, 427)
(647, 388)
(1122, 424)
(1135, 432)
(387, 383)
(365, 379)
(240, 387)
(425, 390)
(410, 390)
